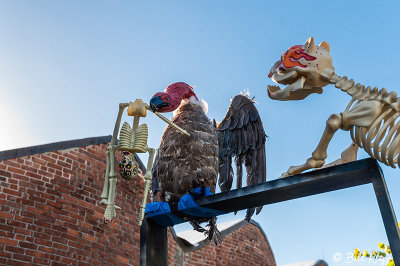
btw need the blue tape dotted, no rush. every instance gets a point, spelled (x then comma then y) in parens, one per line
(188, 205)
(160, 212)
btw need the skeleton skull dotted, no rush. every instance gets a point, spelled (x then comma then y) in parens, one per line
(305, 68)
(128, 168)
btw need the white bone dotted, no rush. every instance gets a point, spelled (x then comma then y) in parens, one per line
(309, 46)
(371, 115)
(347, 85)
(325, 45)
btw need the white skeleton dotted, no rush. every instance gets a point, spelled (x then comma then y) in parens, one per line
(371, 115)
(133, 140)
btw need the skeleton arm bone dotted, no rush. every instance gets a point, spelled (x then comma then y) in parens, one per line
(108, 195)
(147, 179)
(104, 195)
(113, 144)
(111, 150)
(166, 120)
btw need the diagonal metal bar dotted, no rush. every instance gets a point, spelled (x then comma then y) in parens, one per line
(388, 216)
(293, 187)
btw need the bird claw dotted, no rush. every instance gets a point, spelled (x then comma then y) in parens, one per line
(197, 227)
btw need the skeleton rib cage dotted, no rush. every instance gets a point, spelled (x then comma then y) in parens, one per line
(381, 140)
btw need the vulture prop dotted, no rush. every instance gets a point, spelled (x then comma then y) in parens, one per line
(186, 162)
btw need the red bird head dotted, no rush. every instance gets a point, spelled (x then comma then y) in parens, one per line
(168, 101)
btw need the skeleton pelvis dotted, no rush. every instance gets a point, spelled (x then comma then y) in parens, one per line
(362, 114)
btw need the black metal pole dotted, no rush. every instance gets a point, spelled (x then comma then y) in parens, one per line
(153, 238)
(293, 187)
(388, 215)
(143, 243)
(153, 244)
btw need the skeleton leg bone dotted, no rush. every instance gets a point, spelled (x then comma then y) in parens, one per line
(317, 160)
(348, 155)
(361, 115)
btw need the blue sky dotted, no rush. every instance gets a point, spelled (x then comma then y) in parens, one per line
(65, 66)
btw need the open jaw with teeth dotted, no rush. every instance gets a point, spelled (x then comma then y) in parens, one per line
(302, 68)
(295, 91)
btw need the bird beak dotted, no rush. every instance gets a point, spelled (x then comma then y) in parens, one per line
(156, 103)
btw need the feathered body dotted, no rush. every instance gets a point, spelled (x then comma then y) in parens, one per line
(186, 162)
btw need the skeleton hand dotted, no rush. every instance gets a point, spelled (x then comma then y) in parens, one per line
(110, 213)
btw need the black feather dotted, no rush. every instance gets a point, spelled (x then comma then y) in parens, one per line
(225, 175)
(239, 171)
(241, 134)
(240, 121)
(234, 122)
(224, 124)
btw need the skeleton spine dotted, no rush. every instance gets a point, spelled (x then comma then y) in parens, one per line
(361, 93)
(141, 137)
(381, 140)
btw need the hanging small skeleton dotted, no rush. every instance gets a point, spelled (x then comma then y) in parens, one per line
(128, 167)
(131, 140)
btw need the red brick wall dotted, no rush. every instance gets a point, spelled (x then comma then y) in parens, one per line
(50, 215)
(50, 211)
(245, 246)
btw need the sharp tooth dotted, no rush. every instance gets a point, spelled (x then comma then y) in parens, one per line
(273, 88)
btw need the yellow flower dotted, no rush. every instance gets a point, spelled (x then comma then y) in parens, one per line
(381, 246)
(388, 251)
(356, 253)
(399, 224)
(391, 263)
(366, 253)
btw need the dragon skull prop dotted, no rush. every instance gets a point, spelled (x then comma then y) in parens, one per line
(303, 68)
(372, 115)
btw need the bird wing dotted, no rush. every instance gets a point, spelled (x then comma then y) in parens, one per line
(241, 135)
